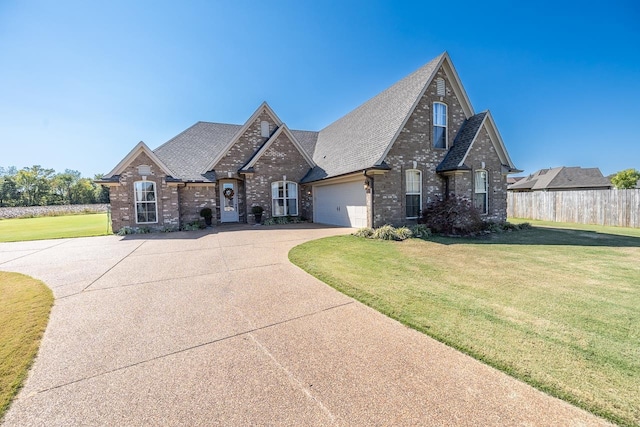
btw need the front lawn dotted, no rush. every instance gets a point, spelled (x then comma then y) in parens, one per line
(53, 227)
(24, 310)
(555, 307)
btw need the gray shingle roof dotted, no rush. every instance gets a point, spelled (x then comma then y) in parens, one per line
(563, 178)
(461, 144)
(307, 140)
(359, 140)
(189, 153)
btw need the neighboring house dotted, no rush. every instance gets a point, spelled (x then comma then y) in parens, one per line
(416, 142)
(563, 179)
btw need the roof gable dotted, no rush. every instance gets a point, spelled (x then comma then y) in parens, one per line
(141, 147)
(362, 138)
(264, 107)
(283, 129)
(455, 158)
(188, 153)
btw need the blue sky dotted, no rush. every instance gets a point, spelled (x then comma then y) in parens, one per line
(82, 82)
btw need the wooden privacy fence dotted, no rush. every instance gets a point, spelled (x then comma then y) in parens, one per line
(603, 207)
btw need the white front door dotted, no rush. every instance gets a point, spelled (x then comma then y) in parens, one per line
(228, 201)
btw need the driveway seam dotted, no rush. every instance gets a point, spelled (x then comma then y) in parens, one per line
(34, 252)
(183, 350)
(292, 378)
(113, 266)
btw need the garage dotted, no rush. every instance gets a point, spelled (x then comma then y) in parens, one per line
(340, 204)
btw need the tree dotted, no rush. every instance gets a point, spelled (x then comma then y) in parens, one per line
(8, 191)
(627, 178)
(34, 185)
(101, 191)
(64, 183)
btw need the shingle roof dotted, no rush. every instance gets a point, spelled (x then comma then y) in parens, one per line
(307, 140)
(359, 140)
(189, 153)
(562, 178)
(461, 144)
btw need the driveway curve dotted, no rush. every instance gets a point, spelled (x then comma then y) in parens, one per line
(218, 328)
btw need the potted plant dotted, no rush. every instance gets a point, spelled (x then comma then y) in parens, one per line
(257, 213)
(207, 214)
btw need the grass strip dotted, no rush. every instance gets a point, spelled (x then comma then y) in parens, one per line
(54, 227)
(25, 304)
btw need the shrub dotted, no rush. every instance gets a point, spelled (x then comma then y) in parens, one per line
(125, 230)
(206, 213)
(281, 220)
(257, 210)
(192, 226)
(403, 233)
(525, 226)
(386, 232)
(421, 231)
(365, 232)
(454, 215)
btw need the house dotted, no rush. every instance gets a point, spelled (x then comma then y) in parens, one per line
(416, 142)
(563, 179)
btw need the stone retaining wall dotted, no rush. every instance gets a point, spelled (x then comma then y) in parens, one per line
(31, 211)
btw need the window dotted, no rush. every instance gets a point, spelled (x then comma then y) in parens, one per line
(145, 202)
(264, 129)
(413, 193)
(439, 125)
(284, 195)
(480, 196)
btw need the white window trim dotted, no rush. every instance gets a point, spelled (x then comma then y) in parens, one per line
(286, 206)
(446, 125)
(135, 201)
(406, 193)
(486, 189)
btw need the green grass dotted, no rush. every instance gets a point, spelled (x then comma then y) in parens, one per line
(25, 304)
(554, 307)
(53, 227)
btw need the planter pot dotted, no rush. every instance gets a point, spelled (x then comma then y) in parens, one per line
(207, 221)
(258, 218)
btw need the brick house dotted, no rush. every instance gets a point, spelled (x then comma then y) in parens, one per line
(414, 143)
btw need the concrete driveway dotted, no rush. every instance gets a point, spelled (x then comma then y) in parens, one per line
(218, 328)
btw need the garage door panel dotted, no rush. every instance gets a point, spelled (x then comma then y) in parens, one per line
(340, 204)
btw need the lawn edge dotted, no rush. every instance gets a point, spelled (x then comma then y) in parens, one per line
(549, 390)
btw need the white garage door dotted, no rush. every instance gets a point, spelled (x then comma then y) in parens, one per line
(340, 204)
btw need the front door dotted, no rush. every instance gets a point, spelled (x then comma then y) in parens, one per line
(228, 201)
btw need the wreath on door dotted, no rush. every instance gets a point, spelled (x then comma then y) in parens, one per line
(228, 193)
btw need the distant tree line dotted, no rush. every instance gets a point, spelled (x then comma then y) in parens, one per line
(37, 186)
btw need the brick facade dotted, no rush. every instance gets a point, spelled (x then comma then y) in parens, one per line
(179, 203)
(122, 197)
(281, 160)
(194, 197)
(414, 144)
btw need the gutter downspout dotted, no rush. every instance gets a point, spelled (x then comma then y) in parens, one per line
(371, 189)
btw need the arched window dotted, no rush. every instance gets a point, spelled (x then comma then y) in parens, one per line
(413, 193)
(284, 198)
(146, 207)
(481, 193)
(439, 125)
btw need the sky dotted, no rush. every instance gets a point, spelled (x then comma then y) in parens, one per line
(82, 82)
